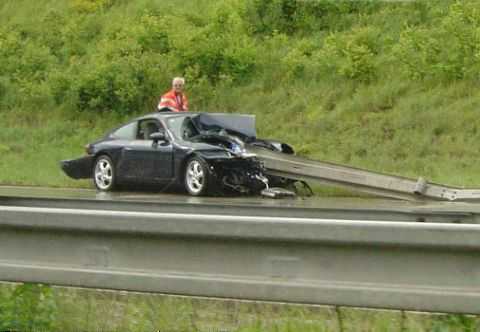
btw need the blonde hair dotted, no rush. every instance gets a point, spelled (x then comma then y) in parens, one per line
(178, 80)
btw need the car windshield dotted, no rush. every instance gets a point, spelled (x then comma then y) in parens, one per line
(185, 127)
(182, 127)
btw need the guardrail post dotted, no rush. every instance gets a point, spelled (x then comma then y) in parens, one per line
(403, 319)
(339, 319)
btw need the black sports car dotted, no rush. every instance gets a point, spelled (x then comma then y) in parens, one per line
(206, 153)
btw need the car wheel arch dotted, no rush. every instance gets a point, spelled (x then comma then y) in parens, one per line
(113, 154)
(100, 154)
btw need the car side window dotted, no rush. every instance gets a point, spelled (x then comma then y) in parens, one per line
(147, 127)
(126, 132)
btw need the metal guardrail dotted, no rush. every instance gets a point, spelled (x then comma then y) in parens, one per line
(319, 209)
(398, 265)
(295, 167)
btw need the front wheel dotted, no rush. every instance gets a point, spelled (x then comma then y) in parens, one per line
(197, 177)
(104, 174)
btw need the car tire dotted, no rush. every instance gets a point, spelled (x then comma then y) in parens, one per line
(104, 173)
(197, 178)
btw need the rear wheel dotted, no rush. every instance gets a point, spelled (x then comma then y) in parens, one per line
(104, 173)
(197, 177)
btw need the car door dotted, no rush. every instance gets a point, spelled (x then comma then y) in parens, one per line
(147, 161)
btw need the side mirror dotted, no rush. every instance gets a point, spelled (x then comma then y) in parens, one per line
(158, 136)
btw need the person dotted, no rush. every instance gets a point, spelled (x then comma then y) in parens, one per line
(174, 100)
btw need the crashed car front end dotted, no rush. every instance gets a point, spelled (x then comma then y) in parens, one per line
(232, 167)
(235, 170)
(239, 175)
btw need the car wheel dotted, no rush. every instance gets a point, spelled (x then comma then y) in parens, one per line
(197, 177)
(104, 173)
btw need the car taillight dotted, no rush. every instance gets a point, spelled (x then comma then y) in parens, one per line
(88, 149)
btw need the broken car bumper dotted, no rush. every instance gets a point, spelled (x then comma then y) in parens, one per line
(80, 168)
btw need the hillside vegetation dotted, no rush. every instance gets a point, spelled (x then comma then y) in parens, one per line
(385, 85)
(388, 86)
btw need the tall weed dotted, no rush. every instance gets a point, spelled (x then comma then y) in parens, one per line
(27, 307)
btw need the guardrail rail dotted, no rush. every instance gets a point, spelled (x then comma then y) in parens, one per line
(378, 264)
(294, 167)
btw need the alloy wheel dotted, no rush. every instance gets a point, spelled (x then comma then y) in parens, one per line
(195, 177)
(103, 174)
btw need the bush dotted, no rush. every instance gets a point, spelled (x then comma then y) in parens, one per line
(264, 17)
(152, 34)
(11, 46)
(34, 62)
(90, 6)
(299, 62)
(115, 85)
(352, 55)
(267, 16)
(449, 50)
(125, 70)
(52, 25)
(220, 49)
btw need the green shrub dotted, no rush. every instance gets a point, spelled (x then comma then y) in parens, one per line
(267, 16)
(11, 46)
(448, 50)
(52, 26)
(460, 29)
(418, 52)
(152, 34)
(90, 6)
(352, 55)
(217, 50)
(110, 86)
(79, 36)
(35, 96)
(264, 17)
(124, 72)
(34, 62)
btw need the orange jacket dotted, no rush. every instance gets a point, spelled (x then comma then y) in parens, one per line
(175, 102)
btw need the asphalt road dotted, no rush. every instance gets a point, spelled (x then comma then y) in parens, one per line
(332, 207)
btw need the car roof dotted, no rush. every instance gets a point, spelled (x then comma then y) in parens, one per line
(243, 123)
(163, 116)
(160, 115)
(166, 115)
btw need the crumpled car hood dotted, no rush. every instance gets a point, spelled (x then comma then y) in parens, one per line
(241, 123)
(228, 146)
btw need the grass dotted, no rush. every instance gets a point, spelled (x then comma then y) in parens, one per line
(393, 128)
(353, 102)
(74, 309)
(34, 143)
(305, 87)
